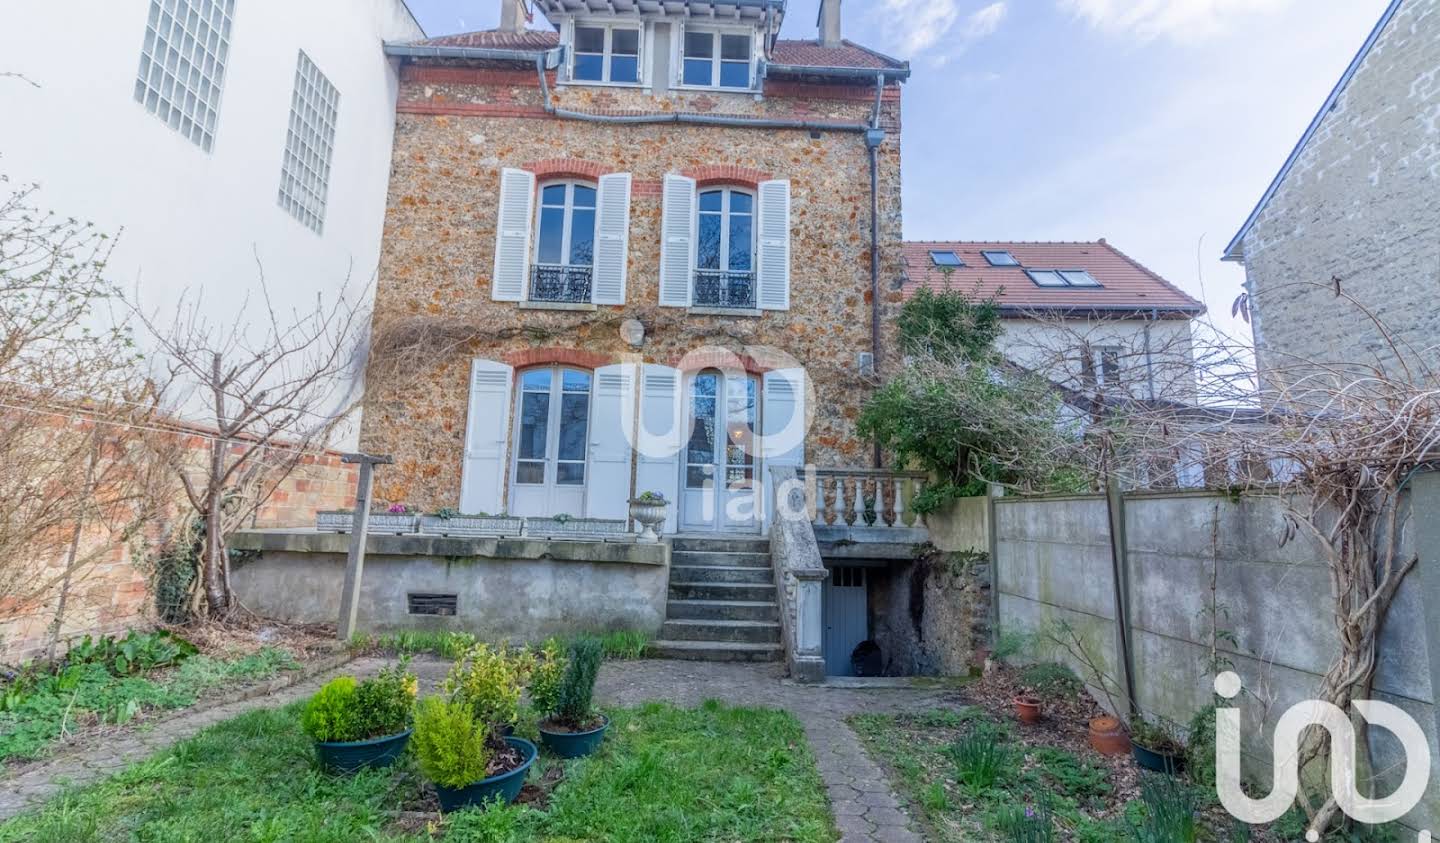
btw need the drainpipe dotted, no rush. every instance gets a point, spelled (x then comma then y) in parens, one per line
(873, 138)
(1149, 356)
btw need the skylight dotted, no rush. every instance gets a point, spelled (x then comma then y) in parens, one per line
(1000, 258)
(1078, 278)
(946, 258)
(1046, 278)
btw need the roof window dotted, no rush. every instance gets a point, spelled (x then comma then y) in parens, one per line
(946, 258)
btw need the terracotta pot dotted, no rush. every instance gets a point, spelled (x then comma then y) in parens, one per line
(1027, 708)
(1108, 736)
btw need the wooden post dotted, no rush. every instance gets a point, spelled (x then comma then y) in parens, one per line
(1120, 570)
(992, 549)
(355, 562)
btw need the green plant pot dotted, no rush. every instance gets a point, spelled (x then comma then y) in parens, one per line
(506, 785)
(1160, 762)
(353, 756)
(573, 744)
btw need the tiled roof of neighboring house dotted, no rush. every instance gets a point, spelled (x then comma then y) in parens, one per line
(1236, 249)
(1125, 285)
(533, 39)
(849, 54)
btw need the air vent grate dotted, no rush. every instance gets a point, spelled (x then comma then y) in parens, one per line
(433, 604)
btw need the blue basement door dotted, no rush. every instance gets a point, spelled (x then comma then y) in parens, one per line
(845, 613)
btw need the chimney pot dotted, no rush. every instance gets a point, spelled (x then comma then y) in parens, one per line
(512, 17)
(830, 23)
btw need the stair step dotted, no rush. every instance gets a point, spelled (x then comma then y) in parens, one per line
(742, 544)
(715, 652)
(722, 610)
(717, 573)
(746, 632)
(762, 592)
(712, 558)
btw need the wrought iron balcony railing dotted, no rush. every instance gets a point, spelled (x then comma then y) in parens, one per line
(719, 288)
(556, 283)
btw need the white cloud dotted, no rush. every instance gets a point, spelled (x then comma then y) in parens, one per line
(1178, 19)
(912, 28)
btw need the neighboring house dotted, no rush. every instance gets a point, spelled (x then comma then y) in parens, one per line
(1085, 314)
(656, 219)
(211, 135)
(1355, 212)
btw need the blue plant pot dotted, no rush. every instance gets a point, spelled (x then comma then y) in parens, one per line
(1157, 761)
(353, 756)
(573, 744)
(506, 785)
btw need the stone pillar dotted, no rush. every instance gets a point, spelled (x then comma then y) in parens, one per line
(807, 664)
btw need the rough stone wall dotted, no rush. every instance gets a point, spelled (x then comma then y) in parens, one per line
(458, 127)
(1361, 205)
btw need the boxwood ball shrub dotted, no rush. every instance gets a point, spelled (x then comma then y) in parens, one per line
(450, 745)
(332, 716)
(345, 710)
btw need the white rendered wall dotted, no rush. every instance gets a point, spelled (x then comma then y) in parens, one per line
(193, 219)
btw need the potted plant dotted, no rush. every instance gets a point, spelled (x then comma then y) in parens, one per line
(571, 727)
(1041, 682)
(361, 725)
(464, 759)
(649, 511)
(489, 680)
(448, 521)
(1154, 747)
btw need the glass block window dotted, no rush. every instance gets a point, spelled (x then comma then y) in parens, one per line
(309, 145)
(182, 65)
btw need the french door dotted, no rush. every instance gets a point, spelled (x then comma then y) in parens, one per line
(720, 484)
(552, 421)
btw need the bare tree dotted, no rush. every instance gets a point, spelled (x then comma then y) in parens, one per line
(272, 393)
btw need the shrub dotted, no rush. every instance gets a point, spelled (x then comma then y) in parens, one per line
(450, 745)
(546, 677)
(1200, 749)
(332, 715)
(489, 681)
(577, 691)
(980, 759)
(1051, 680)
(386, 704)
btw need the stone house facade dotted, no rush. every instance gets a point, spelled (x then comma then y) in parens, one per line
(1348, 229)
(632, 255)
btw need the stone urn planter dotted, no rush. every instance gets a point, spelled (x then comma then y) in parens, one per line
(649, 511)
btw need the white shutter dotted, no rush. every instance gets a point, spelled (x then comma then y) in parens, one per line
(677, 241)
(611, 419)
(482, 476)
(612, 229)
(660, 438)
(512, 235)
(772, 266)
(782, 427)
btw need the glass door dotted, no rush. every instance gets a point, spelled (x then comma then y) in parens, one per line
(552, 422)
(719, 490)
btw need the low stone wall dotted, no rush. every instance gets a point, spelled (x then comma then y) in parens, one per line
(513, 589)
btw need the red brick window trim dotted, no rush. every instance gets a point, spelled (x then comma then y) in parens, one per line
(727, 174)
(720, 359)
(558, 356)
(566, 168)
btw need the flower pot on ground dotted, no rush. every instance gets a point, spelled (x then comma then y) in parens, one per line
(1027, 708)
(649, 511)
(1155, 748)
(1108, 736)
(463, 758)
(361, 725)
(562, 688)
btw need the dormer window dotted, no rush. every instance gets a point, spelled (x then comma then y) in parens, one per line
(717, 59)
(607, 54)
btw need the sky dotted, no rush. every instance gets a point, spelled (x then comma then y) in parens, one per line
(1156, 124)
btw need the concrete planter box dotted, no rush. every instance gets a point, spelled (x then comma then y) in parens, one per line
(471, 525)
(386, 523)
(575, 528)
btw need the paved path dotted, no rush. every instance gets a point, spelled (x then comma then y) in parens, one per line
(92, 762)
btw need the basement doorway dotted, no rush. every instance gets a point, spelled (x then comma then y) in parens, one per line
(845, 614)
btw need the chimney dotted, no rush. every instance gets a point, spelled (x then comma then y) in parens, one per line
(830, 23)
(512, 17)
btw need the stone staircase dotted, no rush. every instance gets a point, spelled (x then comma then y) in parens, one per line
(722, 603)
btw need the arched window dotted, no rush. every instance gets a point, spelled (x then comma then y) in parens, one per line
(552, 421)
(725, 248)
(564, 243)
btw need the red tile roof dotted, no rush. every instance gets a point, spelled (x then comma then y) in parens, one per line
(848, 54)
(533, 39)
(1125, 284)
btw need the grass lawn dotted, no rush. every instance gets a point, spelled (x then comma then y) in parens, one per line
(665, 774)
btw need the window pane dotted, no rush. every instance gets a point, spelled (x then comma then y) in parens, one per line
(590, 68)
(530, 473)
(740, 478)
(1000, 259)
(589, 39)
(553, 195)
(740, 424)
(707, 249)
(584, 196)
(625, 42)
(698, 476)
(740, 243)
(570, 474)
(735, 48)
(552, 234)
(741, 203)
(534, 425)
(734, 74)
(574, 417)
(536, 380)
(1079, 278)
(573, 381)
(624, 69)
(697, 72)
(700, 45)
(712, 200)
(1047, 278)
(582, 238)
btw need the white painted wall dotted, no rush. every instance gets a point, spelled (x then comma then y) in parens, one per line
(191, 219)
(1054, 348)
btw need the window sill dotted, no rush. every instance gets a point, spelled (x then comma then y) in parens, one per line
(558, 305)
(724, 311)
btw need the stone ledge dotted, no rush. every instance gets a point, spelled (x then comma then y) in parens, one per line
(740, 312)
(558, 305)
(497, 549)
